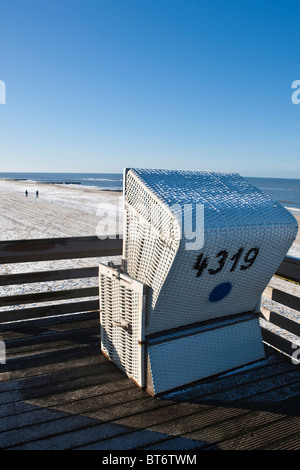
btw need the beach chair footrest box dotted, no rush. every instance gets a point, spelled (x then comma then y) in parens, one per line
(181, 358)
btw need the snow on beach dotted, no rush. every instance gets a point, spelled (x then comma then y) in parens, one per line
(58, 211)
(61, 211)
(66, 211)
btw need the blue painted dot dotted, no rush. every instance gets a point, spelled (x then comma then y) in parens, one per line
(220, 291)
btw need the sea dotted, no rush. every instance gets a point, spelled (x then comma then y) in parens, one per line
(284, 190)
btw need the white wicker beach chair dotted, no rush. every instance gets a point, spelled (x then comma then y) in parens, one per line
(199, 249)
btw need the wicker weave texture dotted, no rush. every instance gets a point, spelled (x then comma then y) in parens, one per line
(246, 236)
(121, 322)
(181, 361)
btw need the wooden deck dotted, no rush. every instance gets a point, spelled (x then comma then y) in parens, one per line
(57, 391)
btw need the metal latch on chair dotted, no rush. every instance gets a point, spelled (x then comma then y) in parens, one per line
(122, 324)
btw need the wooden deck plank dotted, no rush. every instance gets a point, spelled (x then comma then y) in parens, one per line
(101, 445)
(209, 418)
(242, 423)
(23, 405)
(56, 424)
(132, 440)
(74, 398)
(218, 424)
(273, 364)
(46, 364)
(288, 443)
(35, 389)
(257, 438)
(85, 365)
(174, 444)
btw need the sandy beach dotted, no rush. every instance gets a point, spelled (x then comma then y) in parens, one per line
(65, 211)
(61, 211)
(58, 211)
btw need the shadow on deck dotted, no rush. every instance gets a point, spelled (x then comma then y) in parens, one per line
(57, 391)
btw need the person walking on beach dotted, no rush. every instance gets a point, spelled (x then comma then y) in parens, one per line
(26, 193)
(36, 194)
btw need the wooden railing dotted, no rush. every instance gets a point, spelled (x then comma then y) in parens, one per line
(280, 310)
(31, 251)
(85, 299)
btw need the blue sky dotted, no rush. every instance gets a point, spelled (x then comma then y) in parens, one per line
(98, 85)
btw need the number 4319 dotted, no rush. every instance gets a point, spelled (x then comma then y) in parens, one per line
(246, 259)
